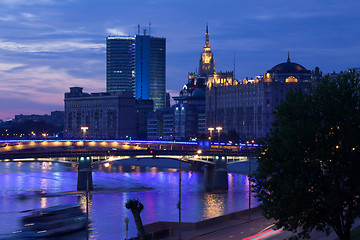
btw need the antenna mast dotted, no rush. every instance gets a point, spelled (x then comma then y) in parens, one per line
(149, 27)
(234, 66)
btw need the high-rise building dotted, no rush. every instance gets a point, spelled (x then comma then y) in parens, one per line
(120, 64)
(207, 61)
(137, 63)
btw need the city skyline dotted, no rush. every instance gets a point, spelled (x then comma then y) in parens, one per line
(48, 46)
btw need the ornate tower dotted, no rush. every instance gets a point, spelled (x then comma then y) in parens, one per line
(207, 62)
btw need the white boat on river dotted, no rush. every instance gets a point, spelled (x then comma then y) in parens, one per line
(52, 221)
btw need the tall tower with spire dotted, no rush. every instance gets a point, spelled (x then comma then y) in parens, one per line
(207, 61)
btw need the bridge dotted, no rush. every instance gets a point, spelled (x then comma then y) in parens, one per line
(86, 152)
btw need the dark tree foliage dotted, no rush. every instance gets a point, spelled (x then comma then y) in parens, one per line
(136, 207)
(308, 175)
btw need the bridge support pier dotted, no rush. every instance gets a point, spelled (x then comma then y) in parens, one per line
(216, 176)
(84, 174)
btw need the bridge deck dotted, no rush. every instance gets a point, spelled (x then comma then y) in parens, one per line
(57, 150)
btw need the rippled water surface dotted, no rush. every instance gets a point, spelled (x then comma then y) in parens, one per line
(156, 187)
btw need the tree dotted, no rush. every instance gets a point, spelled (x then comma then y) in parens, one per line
(136, 207)
(309, 164)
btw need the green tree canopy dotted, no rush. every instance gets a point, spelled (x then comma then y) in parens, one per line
(308, 175)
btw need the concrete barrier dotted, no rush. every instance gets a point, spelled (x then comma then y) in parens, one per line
(188, 226)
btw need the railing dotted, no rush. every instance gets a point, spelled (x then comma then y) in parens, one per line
(110, 150)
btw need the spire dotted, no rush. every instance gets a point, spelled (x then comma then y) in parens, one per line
(207, 62)
(288, 60)
(207, 44)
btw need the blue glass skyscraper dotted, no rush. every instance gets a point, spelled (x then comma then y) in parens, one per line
(137, 64)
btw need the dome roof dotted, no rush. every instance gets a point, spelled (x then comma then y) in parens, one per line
(198, 93)
(288, 67)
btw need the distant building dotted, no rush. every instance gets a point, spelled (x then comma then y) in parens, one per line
(144, 109)
(187, 119)
(167, 101)
(247, 106)
(33, 117)
(56, 118)
(107, 115)
(137, 64)
(160, 125)
(189, 112)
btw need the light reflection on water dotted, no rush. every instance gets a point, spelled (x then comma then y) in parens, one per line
(112, 185)
(214, 205)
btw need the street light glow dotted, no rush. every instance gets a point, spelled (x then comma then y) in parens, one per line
(219, 129)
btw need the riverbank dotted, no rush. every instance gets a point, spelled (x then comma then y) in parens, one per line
(193, 230)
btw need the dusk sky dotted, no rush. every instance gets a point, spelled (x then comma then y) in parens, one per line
(47, 46)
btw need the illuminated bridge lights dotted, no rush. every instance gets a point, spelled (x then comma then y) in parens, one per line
(96, 140)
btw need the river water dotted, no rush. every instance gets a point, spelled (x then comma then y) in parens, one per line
(156, 187)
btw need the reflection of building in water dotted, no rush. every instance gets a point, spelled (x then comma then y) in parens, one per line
(247, 106)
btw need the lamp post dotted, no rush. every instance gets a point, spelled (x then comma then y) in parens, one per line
(249, 188)
(179, 203)
(219, 129)
(84, 129)
(211, 129)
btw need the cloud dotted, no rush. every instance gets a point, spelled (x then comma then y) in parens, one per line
(26, 2)
(41, 85)
(28, 15)
(8, 18)
(115, 31)
(10, 66)
(49, 46)
(63, 32)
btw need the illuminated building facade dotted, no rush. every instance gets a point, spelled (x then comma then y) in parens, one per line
(187, 119)
(137, 64)
(207, 61)
(247, 106)
(120, 64)
(189, 112)
(107, 115)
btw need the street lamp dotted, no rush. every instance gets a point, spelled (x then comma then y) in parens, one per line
(179, 203)
(84, 129)
(219, 129)
(211, 129)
